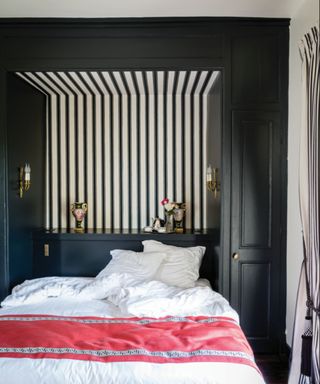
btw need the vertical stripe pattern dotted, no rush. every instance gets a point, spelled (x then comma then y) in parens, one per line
(122, 141)
(309, 188)
(309, 206)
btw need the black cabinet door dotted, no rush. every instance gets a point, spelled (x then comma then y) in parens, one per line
(255, 239)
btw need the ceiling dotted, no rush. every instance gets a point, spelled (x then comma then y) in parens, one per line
(148, 8)
(122, 83)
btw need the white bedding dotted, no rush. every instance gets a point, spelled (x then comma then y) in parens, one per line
(118, 295)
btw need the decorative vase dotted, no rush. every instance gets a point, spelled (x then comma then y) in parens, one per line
(79, 210)
(169, 222)
(178, 220)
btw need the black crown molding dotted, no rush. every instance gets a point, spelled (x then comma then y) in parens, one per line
(142, 21)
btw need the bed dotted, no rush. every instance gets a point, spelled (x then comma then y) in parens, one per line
(145, 318)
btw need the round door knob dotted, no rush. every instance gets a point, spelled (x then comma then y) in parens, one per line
(236, 256)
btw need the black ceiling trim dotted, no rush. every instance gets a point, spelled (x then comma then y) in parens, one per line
(139, 21)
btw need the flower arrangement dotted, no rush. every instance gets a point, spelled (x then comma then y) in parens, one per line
(169, 206)
(174, 215)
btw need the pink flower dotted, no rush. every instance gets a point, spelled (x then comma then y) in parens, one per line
(169, 207)
(165, 201)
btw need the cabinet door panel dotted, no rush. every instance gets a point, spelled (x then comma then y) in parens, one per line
(253, 295)
(255, 188)
(256, 225)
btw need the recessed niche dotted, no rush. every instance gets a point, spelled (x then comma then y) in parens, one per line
(123, 140)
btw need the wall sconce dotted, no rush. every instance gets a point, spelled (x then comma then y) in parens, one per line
(24, 179)
(213, 184)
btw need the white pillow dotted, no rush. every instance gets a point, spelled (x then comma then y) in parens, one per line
(181, 268)
(143, 265)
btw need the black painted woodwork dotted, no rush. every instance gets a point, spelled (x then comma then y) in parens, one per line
(215, 118)
(274, 368)
(255, 69)
(85, 254)
(26, 140)
(252, 55)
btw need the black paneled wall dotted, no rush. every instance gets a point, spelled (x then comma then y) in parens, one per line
(122, 141)
(26, 141)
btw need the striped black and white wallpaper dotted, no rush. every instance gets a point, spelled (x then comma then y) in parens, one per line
(122, 141)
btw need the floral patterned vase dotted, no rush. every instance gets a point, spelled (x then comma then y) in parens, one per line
(79, 210)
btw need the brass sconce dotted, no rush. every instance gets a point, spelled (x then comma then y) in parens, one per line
(213, 184)
(24, 179)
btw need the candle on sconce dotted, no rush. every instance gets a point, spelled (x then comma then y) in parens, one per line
(27, 172)
(213, 183)
(24, 179)
(209, 173)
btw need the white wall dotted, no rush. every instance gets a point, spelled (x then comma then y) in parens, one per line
(302, 20)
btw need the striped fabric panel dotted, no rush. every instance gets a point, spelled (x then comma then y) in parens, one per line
(122, 141)
(309, 188)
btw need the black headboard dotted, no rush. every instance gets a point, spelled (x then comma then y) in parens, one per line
(66, 253)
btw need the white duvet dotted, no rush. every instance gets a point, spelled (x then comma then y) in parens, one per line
(118, 295)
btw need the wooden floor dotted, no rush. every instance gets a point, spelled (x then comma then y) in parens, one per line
(273, 368)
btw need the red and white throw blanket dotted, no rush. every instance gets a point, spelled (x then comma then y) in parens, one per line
(164, 340)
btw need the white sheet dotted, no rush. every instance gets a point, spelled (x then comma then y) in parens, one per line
(120, 293)
(82, 297)
(51, 371)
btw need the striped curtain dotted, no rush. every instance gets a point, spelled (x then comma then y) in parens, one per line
(307, 321)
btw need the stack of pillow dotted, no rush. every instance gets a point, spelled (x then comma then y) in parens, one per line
(169, 264)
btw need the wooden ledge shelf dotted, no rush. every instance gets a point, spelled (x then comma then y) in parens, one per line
(125, 234)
